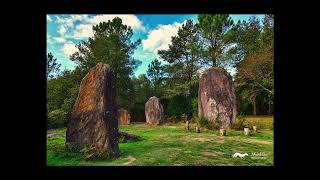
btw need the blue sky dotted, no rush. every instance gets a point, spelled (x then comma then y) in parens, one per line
(155, 31)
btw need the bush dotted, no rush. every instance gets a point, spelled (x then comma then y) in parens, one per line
(194, 103)
(241, 123)
(184, 118)
(178, 105)
(214, 125)
(56, 119)
(202, 121)
(172, 119)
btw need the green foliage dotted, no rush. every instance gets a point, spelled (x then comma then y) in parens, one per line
(111, 44)
(178, 105)
(184, 117)
(63, 90)
(254, 78)
(202, 121)
(184, 60)
(53, 67)
(218, 35)
(56, 119)
(241, 123)
(194, 103)
(172, 119)
(156, 73)
(142, 91)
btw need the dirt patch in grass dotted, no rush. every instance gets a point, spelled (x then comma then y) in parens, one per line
(219, 140)
(256, 141)
(203, 139)
(130, 160)
(212, 153)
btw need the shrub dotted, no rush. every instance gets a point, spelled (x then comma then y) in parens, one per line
(194, 103)
(172, 119)
(241, 123)
(178, 105)
(56, 119)
(202, 121)
(184, 117)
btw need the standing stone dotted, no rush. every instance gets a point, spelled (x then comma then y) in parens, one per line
(254, 129)
(123, 116)
(93, 122)
(246, 131)
(216, 97)
(223, 132)
(154, 111)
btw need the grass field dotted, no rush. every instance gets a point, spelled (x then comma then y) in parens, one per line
(172, 145)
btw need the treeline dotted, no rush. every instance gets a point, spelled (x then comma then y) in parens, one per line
(214, 41)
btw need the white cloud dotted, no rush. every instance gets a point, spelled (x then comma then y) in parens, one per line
(49, 39)
(82, 17)
(62, 30)
(82, 31)
(64, 21)
(80, 26)
(69, 48)
(59, 39)
(160, 38)
(49, 18)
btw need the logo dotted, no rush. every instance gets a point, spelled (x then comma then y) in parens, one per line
(239, 155)
(253, 155)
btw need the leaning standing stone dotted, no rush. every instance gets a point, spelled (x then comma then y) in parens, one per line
(93, 122)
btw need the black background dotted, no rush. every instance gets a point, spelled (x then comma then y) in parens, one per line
(26, 107)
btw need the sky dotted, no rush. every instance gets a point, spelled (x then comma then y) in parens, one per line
(155, 31)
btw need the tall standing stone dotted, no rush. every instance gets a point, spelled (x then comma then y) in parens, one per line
(216, 97)
(93, 122)
(123, 116)
(154, 111)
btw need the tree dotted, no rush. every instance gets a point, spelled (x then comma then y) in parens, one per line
(63, 90)
(183, 57)
(142, 92)
(217, 35)
(156, 73)
(53, 67)
(248, 38)
(255, 71)
(111, 44)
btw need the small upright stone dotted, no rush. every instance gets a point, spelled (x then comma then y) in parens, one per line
(154, 111)
(123, 116)
(93, 122)
(246, 131)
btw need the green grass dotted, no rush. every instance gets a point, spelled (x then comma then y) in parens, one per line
(169, 145)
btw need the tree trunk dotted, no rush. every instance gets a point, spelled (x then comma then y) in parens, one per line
(254, 106)
(269, 109)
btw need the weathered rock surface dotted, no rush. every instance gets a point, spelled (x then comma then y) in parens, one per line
(154, 111)
(93, 121)
(216, 97)
(123, 116)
